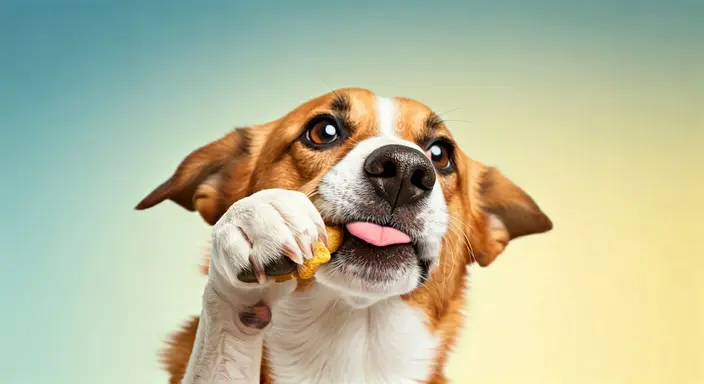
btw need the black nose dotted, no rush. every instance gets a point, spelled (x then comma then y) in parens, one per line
(400, 175)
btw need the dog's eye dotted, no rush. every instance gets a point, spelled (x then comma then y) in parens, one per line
(323, 132)
(439, 154)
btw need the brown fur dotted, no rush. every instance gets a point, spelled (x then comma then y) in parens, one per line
(175, 356)
(248, 160)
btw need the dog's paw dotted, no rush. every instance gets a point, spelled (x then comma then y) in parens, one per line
(264, 235)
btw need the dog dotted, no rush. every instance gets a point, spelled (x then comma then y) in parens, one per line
(416, 211)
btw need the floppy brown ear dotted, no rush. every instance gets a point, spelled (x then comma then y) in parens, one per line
(201, 180)
(508, 213)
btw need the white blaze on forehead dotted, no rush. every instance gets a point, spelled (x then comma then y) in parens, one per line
(386, 114)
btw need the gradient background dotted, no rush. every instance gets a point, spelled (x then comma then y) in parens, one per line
(595, 109)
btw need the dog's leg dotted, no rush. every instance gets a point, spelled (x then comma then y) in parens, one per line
(252, 234)
(228, 344)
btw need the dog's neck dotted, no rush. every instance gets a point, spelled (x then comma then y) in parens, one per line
(320, 336)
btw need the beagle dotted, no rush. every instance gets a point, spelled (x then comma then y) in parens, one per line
(414, 209)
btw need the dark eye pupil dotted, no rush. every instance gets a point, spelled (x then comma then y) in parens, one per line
(328, 132)
(323, 132)
(436, 153)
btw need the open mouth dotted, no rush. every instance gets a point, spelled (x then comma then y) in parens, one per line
(377, 235)
(373, 252)
(362, 234)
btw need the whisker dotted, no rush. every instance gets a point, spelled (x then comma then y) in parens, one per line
(453, 220)
(458, 121)
(331, 88)
(446, 112)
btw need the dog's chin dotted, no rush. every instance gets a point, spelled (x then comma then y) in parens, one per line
(365, 274)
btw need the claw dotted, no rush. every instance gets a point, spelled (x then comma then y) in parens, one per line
(323, 236)
(312, 249)
(291, 253)
(307, 253)
(258, 272)
(320, 225)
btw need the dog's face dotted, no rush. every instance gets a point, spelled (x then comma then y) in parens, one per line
(385, 169)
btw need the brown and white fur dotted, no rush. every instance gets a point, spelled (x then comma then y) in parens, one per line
(372, 315)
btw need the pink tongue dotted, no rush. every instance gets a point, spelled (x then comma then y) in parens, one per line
(377, 235)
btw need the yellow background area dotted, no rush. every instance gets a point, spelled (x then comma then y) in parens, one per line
(595, 109)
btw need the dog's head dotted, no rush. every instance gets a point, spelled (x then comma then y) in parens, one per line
(386, 169)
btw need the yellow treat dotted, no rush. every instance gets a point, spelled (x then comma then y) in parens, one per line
(321, 255)
(334, 238)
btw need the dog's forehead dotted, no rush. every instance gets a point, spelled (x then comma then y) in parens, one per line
(415, 120)
(374, 114)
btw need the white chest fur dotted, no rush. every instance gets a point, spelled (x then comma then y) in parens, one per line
(318, 338)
